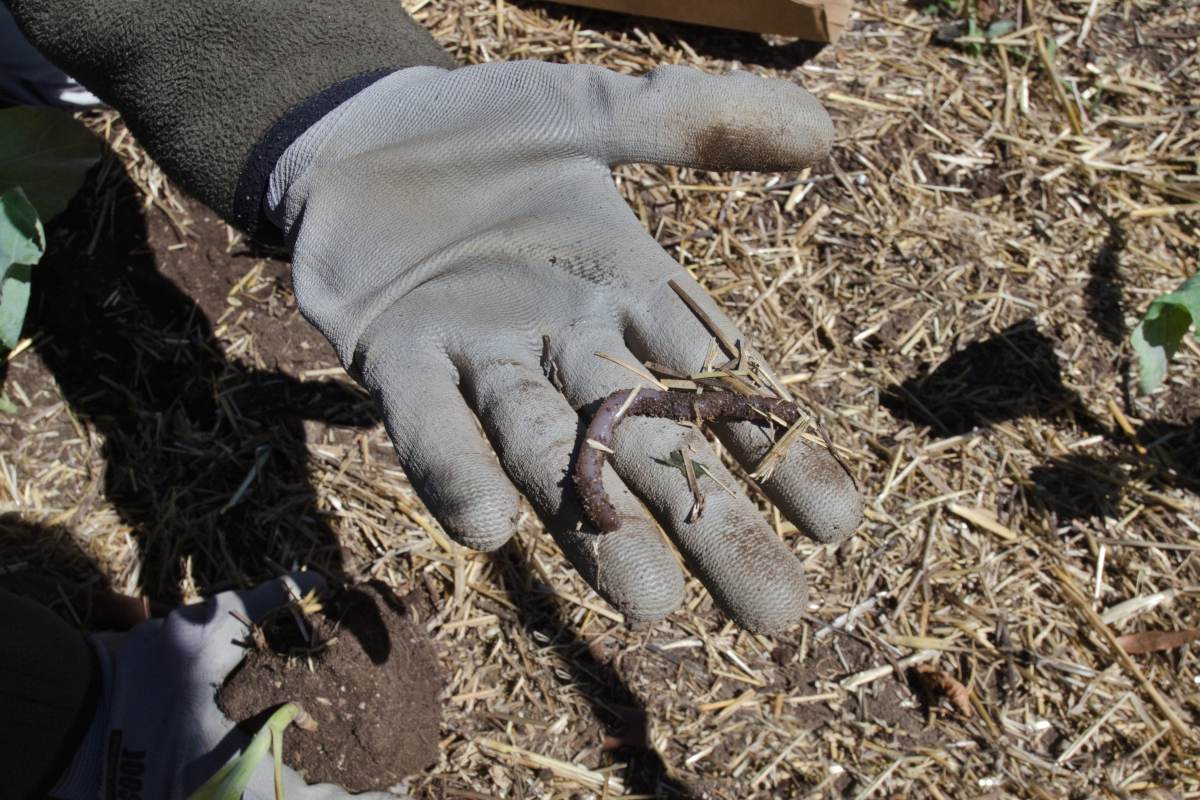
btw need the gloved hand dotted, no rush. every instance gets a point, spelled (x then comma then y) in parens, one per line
(158, 732)
(447, 225)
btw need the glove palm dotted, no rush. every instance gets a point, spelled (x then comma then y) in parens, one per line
(454, 232)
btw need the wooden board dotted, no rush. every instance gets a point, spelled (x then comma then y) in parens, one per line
(814, 20)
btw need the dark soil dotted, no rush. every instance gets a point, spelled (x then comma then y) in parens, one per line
(374, 691)
(887, 702)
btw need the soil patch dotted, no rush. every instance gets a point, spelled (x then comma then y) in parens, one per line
(373, 689)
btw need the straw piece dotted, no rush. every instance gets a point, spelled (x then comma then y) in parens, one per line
(1067, 584)
(730, 348)
(562, 769)
(981, 519)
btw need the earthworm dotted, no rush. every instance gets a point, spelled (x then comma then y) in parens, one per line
(679, 406)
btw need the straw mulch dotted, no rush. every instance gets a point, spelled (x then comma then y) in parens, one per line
(953, 292)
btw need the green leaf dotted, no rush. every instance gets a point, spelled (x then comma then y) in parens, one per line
(22, 243)
(1001, 27)
(7, 405)
(1152, 361)
(1185, 296)
(21, 238)
(1157, 336)
(231, 780)
(676, 460)
(1051, 46)
(47, 153)
(974, 32)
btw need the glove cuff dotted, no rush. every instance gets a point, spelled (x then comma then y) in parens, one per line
(332, 128)
(248, 199)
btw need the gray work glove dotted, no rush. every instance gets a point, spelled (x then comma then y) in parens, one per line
(157, 732)
(445, 224)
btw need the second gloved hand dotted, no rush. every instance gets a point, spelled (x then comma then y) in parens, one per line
(456, 231)
(157, 731)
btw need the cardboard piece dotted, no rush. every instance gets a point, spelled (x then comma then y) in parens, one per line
(814, 20)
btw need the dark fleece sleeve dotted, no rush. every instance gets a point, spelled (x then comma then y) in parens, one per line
(49, 688)
(217, 89)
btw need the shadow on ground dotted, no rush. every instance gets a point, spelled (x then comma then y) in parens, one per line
(1016, 374)
(1013, 374)
(46, 564)
(621, 713)
(1103, 290)
(1081, 486)
(205, 456)
(1078, 487)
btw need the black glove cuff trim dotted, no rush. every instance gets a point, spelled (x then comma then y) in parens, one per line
(256, 169)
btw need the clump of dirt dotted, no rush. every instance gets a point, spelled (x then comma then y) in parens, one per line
(368, 676)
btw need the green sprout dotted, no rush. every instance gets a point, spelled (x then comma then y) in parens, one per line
(231, 780)
(1161, 331)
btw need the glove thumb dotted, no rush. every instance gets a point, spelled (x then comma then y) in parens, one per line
(681, 116)
(224, 616)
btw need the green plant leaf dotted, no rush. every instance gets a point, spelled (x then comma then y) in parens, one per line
(1051, 46)
(232, 779)
(47, 153)
(21, 238)
(1157, 336)
(974, 32)
(676, 460)
(22, 243)
(1152, 361)
(1001, 27)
